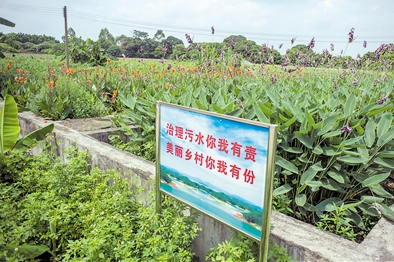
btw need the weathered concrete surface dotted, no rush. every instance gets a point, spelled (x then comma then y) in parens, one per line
(304, 242)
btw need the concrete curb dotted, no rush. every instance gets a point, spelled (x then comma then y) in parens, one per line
(304, 242)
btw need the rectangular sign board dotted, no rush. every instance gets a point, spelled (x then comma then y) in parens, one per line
(217, 164)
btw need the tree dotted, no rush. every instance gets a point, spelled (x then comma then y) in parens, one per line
(3, 37)
(170, 42)
(140, 35)
(159, 35)
(106, 39)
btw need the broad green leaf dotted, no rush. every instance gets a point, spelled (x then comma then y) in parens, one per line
(250, 114)
(384, 124)
(236, 112)
(313, 183)
(384, 162)
(388, 107)
(357, 219)
(32, 139)
(308, 175)
(352, 205)
(350, 105)
(317, 166)
(266, 110)
(387, 212)
(283, 118)
(309, 117)
(217, 109)
(32, 251)
(329, 151)
(351, 141)
(330, 184)
(6, 22)
(317, 150)
(260, 114)
(386, 154)
(368, 209)
(333, 200)
(385, 138)
(305, 140)
(351, 160)
(337, 176)
(372, 199)
(282, 190)
(328, 124)
(290, 121)
(300, 199)
(376, 179)
(274, 99)
(295, 150)
(286, 164)
(369, 136)
(332, 134)
(379, 190)
(188, 99)
(9, 124)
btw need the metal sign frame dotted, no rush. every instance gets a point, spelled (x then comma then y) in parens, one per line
(270, 149)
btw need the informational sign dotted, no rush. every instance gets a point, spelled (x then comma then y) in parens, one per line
(217, 164)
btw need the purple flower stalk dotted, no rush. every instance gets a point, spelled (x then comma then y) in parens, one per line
(382, 100)
(351, 35)
(232, 43)
(292, 40)
(169, 66)
(141, 49)
(189, 39)
(346, 129)
(265, 49)
(332, 47)
(164, 48)
(365, 44)
(280, 46)
(311, 44)
(212, 30)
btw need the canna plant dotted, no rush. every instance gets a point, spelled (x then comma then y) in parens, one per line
(334, 149)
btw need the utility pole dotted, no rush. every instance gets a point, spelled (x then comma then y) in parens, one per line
(66, 35)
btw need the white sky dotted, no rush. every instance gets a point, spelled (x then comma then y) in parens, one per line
(245, 135)
(272, 22)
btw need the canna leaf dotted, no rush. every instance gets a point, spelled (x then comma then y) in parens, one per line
(384, 124)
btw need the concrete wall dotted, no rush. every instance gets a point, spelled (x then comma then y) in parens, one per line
(304, 242)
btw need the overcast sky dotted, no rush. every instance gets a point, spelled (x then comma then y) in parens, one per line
(271, 22)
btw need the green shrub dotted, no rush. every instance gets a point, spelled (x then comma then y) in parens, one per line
(74, 213)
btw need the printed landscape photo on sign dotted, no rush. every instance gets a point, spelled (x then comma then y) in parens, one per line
(216, 164)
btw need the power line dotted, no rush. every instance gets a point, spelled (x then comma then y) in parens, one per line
(181, 29)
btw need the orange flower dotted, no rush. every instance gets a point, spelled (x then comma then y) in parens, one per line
(50, 84)
(108, 60)
(8, 66)
(167, 85)
(18, 70)
(114, 93)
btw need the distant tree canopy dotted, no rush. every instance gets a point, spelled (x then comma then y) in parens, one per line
(141, 45)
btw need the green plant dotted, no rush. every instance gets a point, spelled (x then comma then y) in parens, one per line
(241, 249)
(77, 213)
(9, 132)
(338, 221)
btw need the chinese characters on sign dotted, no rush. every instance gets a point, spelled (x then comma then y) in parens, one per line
(246, 152)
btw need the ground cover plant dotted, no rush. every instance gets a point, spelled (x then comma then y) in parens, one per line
(70, 212)
(334, 114)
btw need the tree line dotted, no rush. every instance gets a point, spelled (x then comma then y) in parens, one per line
(140, 45)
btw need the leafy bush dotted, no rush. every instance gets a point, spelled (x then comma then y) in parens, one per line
(72, 213)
